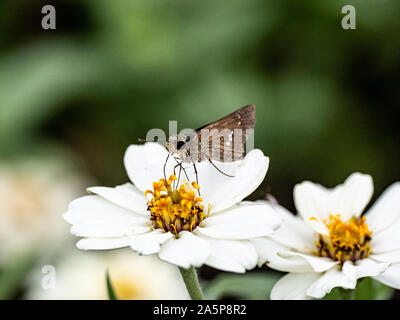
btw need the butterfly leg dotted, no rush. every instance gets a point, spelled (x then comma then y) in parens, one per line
(219, 170)
(184, 171)
(177, 165)
(179, 174)
(183, 168)
(165, 165)
(197, 176)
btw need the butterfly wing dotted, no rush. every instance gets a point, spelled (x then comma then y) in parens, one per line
(224, 139)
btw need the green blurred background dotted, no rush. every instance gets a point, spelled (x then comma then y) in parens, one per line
(327, 99)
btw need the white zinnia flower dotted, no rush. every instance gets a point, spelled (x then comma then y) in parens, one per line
(81, 276)
(329, 244)
(31, 195)
(212, 230)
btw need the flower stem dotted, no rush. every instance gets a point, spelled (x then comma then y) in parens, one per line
(192, 283)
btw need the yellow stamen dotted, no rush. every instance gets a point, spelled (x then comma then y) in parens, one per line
(175, 210)
(151, 228)
(347, 240)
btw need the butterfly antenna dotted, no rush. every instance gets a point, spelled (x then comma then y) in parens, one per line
(225, 174)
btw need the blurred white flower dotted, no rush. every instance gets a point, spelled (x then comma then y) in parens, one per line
(176, 223)
(330, 245)
(32, 193)
(83, 277)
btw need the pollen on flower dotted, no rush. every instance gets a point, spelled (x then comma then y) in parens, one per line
(347, 240)
(175, 210)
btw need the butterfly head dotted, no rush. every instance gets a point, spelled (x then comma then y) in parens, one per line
(179, 145)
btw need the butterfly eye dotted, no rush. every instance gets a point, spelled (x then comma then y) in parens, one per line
(180, 144)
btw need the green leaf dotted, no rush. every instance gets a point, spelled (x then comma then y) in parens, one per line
(253, 286)
(110, 289)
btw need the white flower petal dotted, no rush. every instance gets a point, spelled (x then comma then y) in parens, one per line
(223, 192)
(126, 196)
(348, 199)
(94, 208)
(319, 264)
(293, 286)
(363, 268)
(387, 239)
(185, 251)
(329, 280)
(268, 250)
(390, 256)
(231, 255)
(102, 243)
(242, 221)
(149, 243)
(318, 226)
(93, 216)
(144, 164)
(386, 210)
(354, 196)
(391, 276)
(293, 232)
(311, 201)
(111, 228)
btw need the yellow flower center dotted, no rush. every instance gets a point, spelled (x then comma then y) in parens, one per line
(347, 240)
(175, 210)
